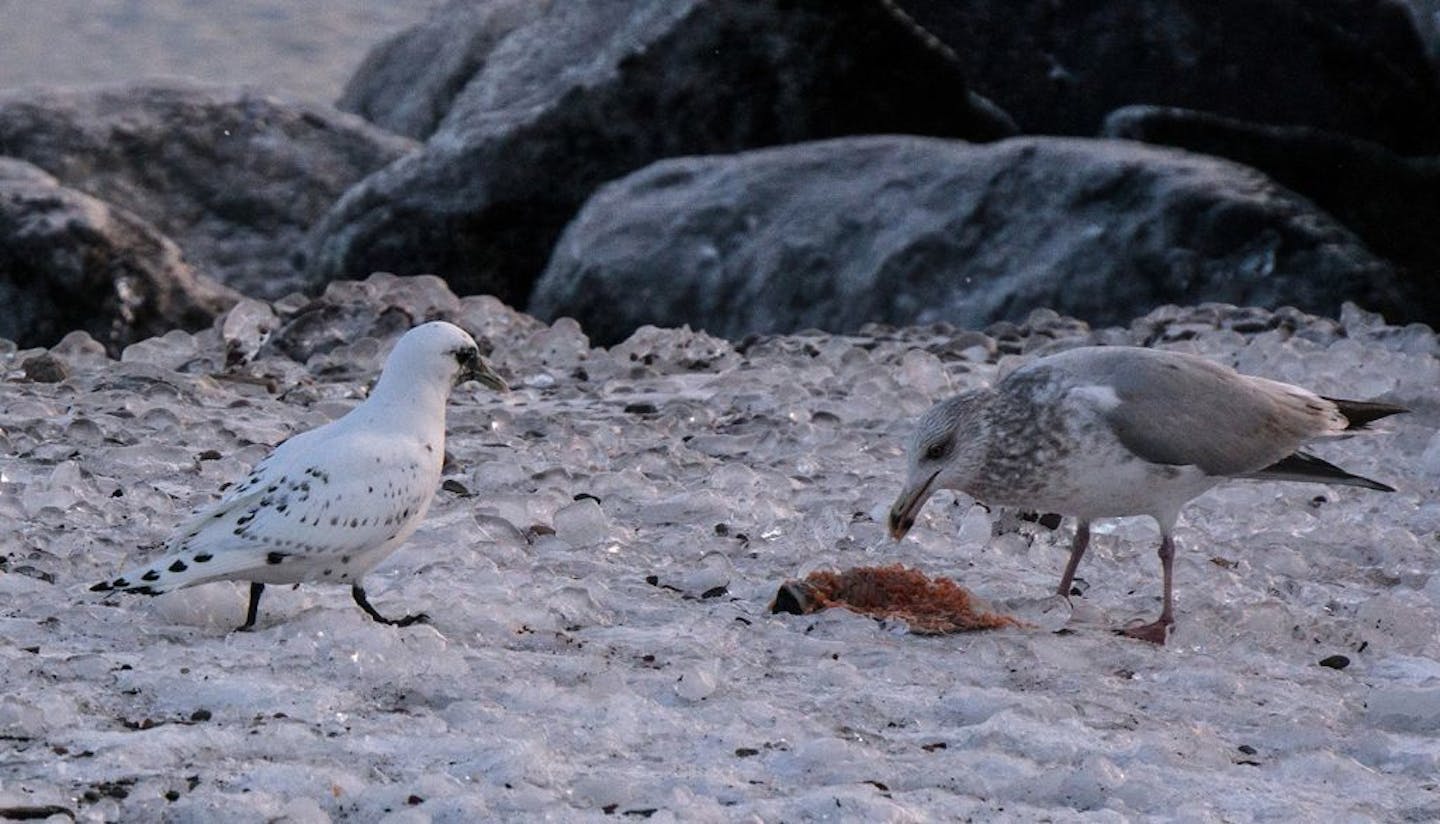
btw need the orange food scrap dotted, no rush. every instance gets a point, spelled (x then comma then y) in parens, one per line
(929, 606)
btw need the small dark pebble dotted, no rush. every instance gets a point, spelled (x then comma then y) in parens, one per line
(641, 408)
(938, 745)
(609, 809)
(745, 752)
(172, 795)
(581, 496)
(31, 650)
(118, 493)
(1338, 662)
(414, 800)
(652, 580)
(722, 530)
(200, 715)
(645, 812)
(1050, 520)
(39, 813)
(452, 485)
(715, 592)
(1247, 749)
(208, 455)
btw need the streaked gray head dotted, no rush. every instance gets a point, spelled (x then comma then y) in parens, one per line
(946, 450)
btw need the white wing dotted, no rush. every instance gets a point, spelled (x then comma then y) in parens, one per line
(326, 505)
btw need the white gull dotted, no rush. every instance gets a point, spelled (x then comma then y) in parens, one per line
(329, 504)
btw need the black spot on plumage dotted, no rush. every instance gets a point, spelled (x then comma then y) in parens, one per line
(120, 583)
(334, 521)
(328, 571)
(344, 559)
(178, 566)
(282, 507)
(354, 522)
(240, 531)
(274, 557)
(203, 557)
(152, 575)
(272, 487)
(103, 586)
(144, 591)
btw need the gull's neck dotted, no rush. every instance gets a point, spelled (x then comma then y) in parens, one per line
(400, 402)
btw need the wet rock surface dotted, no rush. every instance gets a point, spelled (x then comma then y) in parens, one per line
(1357, 67)
(593, 90)
(234, 176)
(1390, 201)
(835, 234)
(69, 261)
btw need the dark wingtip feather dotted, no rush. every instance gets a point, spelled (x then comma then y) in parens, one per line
(1302, 466)
(1362, 413)
(103, 586)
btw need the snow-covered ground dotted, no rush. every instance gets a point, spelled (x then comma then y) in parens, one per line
(581, 662)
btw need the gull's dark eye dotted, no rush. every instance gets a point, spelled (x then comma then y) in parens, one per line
(466, 357)
(937, 450)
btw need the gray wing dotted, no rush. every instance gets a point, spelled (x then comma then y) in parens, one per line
(1183, 410)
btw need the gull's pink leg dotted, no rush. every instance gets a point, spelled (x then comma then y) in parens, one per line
(1077, 550)
(1157, 632)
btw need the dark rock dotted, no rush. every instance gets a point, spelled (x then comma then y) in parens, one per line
(349, 311)
(595, 89)
(234, 176)
(45, 368)
(1391, 202)
(1058, 66)
(1338, 662)
(407, 83)
(904, 230)
(69, 261)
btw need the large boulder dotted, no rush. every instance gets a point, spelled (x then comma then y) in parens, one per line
(1058, 66)
(69, 261)
(407, 83)
(234, 176)
(594, 89)
(911, 230)
(1391, 202)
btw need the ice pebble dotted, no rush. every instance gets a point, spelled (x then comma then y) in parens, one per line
(1404, 709)
(582, 523)
(925, 373)
(698, 682)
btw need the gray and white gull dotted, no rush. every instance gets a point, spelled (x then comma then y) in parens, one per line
(1097, 432)
(329, 504)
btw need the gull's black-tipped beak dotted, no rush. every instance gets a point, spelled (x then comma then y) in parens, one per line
(907, 506)
(474, 368)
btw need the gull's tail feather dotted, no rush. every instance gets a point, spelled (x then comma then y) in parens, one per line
(1360, 414)
(1303, 466)
(181, 569)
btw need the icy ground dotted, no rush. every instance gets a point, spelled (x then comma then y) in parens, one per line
(599, 568)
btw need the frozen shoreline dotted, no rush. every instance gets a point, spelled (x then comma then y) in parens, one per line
(556, 681)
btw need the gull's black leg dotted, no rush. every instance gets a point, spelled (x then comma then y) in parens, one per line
(358, 592)
(250, 614)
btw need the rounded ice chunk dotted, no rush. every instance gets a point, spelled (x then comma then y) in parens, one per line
(582, 523)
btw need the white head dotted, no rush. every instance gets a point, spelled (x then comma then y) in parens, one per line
(946, 451)
(433, 357)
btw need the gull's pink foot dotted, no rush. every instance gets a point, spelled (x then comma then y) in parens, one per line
(1156, 632)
